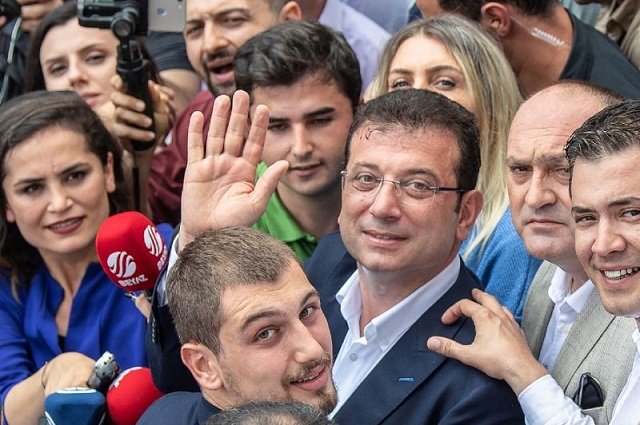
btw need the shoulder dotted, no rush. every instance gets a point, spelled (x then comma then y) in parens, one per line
(178, 407)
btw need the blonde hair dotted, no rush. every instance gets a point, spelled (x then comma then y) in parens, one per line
(493, 88)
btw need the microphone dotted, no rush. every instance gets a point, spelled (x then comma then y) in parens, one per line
(131, 251)
(130, 395)
(75, 406)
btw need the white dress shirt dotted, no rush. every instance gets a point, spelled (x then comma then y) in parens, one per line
(567, 307)
(544, 403)
(359, 354)
(627, 410)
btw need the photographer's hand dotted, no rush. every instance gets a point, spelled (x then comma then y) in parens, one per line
(219, 184)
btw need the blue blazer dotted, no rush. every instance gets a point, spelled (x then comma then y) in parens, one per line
(411, 384)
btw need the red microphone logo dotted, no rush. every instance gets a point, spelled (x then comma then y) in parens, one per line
(153, 241)
(131, 251)
(121, 264)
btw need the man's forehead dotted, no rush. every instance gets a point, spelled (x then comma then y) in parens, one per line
(215, 7)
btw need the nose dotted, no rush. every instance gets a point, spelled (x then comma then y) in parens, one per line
(421, 84)
(538, 193)
(301, 146)
(76, 74)
(214, 39)
(385, 204)
(607, 239)
(307, 347)
(59, 200)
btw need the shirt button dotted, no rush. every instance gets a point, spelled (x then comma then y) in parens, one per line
(353, 357)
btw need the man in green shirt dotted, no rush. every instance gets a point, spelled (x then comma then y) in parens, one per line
(308, 77)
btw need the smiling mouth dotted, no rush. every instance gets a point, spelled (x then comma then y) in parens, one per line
(620, 274)
(310, 377)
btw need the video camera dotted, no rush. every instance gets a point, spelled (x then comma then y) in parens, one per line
(9, 9)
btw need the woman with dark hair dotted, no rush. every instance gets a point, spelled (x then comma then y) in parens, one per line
(61, 176)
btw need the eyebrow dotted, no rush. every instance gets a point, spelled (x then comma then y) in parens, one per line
(431, 69)
(274, 313)
(100, 45)
(69, 169)
(410, 171)
(313, 114)
(217, 15)
(622, 202)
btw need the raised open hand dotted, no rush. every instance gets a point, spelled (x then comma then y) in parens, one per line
(219, 184)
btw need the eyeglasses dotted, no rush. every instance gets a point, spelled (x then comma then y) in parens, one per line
(408, 191)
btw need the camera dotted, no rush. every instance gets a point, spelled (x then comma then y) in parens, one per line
(129, 18)
(126, 18)
(10, 9)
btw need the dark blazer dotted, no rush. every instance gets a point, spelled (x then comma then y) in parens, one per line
(411, 384)
(181, 408)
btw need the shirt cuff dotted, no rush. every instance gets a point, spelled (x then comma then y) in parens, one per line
(544, 403)
(161, 287)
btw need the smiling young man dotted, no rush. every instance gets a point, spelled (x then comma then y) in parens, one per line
(251, 328)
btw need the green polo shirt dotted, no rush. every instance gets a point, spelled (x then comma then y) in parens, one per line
(277, 222)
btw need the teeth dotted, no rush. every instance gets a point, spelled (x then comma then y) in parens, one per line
(620, 274)
(309, 378)
(64, 224)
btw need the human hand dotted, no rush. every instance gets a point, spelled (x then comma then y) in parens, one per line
(130, 121)
(499, 348)
(32, 12)
(219, 188)
(66, 370)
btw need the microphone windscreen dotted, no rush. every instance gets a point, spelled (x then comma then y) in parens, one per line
(130, 395)
(75, 406)
(131, 251)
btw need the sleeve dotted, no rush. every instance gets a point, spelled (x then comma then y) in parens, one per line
(15, 354)
(162, 342)
(544, 403)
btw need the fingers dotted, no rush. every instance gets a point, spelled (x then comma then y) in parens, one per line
(463, 308)
(257, 134)
(218, 125)
(447, 348)
(267, 183)
(195, 143)
(237, 129)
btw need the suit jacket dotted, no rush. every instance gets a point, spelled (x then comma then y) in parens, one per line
(411, 384)
(182, 408)
(598, 343)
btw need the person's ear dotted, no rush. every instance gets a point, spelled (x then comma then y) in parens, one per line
(496, 19)
(109, 174)
(290, 12)
(11, 217)
(203, 365)
(470, 206)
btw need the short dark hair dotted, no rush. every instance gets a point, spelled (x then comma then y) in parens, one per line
(472, 8)
(288, 52)
(271, 413)
(611, 131)
(416, 110)
(28, 114)
(214, 261)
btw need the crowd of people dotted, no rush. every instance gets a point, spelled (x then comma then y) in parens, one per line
(383, 212)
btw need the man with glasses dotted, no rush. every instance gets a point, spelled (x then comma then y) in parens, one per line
(408, 201)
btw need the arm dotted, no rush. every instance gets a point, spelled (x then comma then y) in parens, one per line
(24, 403)
(501, 351)
(130, 123)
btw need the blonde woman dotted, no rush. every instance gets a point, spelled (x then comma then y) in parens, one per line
(456, 58)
